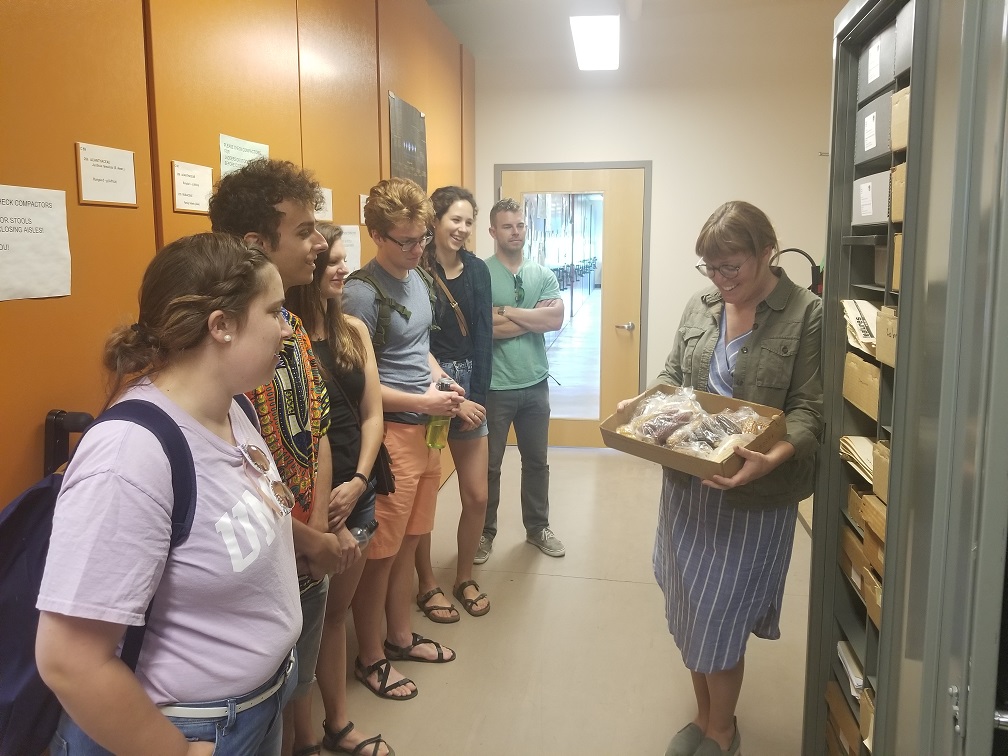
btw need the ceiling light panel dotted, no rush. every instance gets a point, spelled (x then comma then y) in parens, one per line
(596, 42)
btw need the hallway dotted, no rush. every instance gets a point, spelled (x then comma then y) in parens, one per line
(575, 658)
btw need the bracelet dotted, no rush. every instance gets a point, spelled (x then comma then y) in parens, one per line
(363, 477)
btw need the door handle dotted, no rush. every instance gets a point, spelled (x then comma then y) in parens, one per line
(626, 326)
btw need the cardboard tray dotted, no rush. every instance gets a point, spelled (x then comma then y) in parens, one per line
(687, 463)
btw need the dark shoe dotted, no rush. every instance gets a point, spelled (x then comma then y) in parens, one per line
(421, 602)
(405, 653)
(710, 747)
(331, 742)
(382, 667)
(547, 542)
(468, 604)
(686, 741)
(483, 552)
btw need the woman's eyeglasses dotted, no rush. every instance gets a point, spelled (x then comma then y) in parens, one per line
(726, 271)
(283, 497)
(409, 244)
(519, 289)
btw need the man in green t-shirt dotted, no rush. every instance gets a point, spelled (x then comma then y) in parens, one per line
(526, 304)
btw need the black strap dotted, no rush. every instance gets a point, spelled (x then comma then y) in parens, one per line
(183, 475)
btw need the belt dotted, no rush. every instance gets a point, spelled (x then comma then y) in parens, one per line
(195, 711)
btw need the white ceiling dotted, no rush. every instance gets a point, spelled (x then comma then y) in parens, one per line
(537, 32)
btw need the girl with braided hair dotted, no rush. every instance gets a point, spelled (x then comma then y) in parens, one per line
(216, 663)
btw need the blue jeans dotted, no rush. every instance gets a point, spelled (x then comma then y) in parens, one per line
(529, 410)
(460, 371)
(253, 732)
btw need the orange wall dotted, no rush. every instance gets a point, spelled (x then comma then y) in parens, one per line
(220, 68)
(419, 61)
(310, 78)
(63, 82)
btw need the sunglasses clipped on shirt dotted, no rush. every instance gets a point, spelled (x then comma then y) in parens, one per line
(519, 289)
(282, 498)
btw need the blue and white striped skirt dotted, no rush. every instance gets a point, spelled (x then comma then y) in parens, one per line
(722, 571)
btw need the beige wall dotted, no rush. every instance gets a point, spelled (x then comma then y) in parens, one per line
(742, 113)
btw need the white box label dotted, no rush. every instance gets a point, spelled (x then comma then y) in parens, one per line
(874, 57)
(869, 132)
(866, 199)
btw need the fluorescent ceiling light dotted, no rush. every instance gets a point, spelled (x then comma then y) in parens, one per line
(596, 42)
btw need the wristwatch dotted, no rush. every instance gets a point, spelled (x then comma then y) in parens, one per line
(500, 310)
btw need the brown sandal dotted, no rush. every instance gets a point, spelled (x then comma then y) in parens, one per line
(429, 610)
(468, 604)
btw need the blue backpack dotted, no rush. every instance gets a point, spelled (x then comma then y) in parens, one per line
(29, 711)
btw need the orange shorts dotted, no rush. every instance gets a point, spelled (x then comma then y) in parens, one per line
(410, 510)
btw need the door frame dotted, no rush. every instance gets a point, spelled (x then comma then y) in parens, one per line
(646, 166)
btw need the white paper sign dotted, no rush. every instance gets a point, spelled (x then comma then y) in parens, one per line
(874, 58)
(866, 199)
(193, 185)
(352, 245)
(34, 245)
(363, 201)
(106, 175)
(235, 152)
(869, 132)
(325, 214)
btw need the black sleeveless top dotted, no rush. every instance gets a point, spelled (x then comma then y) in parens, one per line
(344, 431)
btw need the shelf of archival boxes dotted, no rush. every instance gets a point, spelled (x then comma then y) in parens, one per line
(865, 240)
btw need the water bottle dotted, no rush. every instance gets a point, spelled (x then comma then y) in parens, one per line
(437, 425)
(364, 534)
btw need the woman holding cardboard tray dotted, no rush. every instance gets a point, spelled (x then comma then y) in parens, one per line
(723, 545)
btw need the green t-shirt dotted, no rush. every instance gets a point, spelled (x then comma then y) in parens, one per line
(520, 362)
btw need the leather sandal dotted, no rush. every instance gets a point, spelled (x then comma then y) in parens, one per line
(428, 611)
(468, 604)
(331, 742)
(405, 653)
(382, 667)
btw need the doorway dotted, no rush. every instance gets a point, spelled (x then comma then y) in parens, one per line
(607, 208)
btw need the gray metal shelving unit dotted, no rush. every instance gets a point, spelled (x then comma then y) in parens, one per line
(933, 657)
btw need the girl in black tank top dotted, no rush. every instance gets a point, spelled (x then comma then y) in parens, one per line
(342, 346)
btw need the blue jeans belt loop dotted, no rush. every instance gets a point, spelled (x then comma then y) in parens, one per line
(233, 706)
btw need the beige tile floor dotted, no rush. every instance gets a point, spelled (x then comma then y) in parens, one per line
(575, 656)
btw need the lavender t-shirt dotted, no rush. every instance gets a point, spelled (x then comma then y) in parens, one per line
(227, 609)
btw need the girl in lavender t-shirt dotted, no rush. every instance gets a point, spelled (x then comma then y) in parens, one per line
(227, 611)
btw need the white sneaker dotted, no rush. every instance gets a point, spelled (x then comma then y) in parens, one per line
(483, 552)
(548, 543)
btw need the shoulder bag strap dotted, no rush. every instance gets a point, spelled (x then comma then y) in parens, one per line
(454, 305)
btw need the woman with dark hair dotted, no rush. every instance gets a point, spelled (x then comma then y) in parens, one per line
(463, 346)
(210, 327)
(342, 345)
(723, 545)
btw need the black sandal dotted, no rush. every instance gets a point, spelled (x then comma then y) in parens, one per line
(468, 604)
(405, 653)
(331, 742)
(382, 667)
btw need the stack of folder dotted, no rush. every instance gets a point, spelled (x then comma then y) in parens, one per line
(858, 451)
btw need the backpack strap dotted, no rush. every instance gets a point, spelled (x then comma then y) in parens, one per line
(183, 475)
(386, 304)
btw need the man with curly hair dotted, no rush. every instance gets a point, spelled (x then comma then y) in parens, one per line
(271, 204)
(393, 298)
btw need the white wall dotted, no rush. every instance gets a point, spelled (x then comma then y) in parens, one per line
(738, 109)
